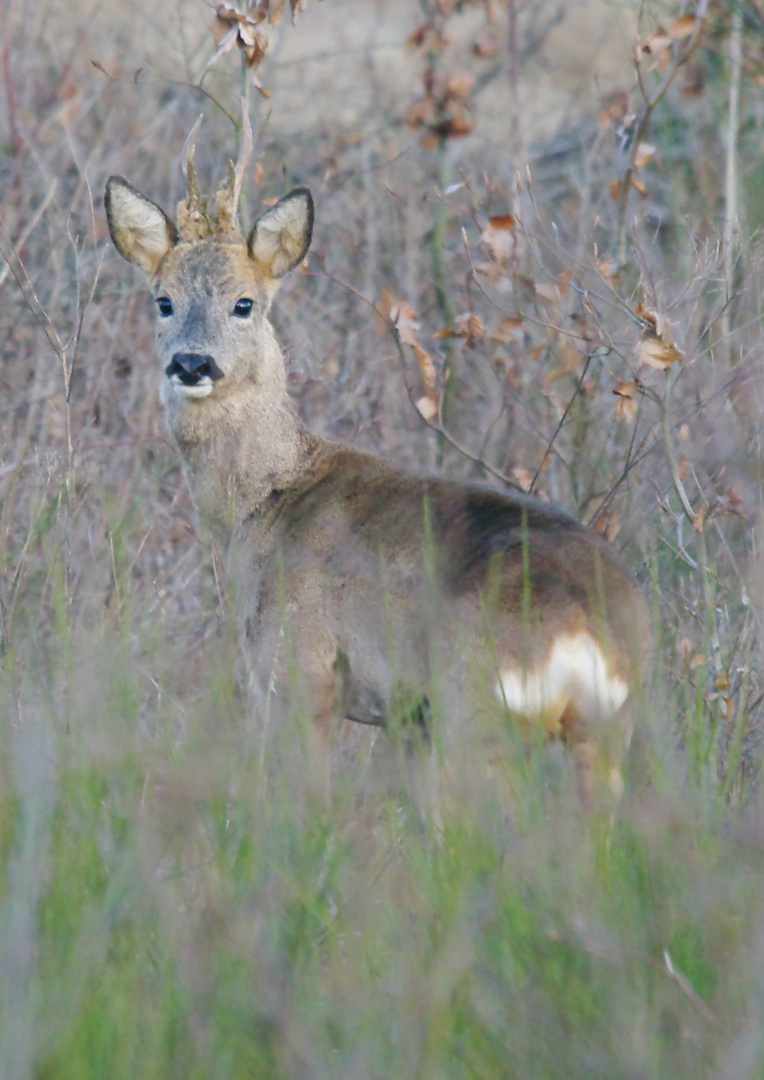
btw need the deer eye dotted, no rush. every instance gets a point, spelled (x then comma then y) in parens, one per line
(243, 308)
(165, 306)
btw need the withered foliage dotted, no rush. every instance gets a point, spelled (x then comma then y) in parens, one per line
(445, 109)
(244, 29)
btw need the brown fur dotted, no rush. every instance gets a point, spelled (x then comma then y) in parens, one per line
(391, 587)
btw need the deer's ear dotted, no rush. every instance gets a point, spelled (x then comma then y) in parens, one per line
(281, 237)
(141, 231)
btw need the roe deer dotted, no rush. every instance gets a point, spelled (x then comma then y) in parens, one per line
(391, 588)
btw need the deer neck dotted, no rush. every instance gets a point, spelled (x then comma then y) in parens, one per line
(237, 450)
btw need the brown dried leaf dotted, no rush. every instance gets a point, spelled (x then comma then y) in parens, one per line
(404, 317)
(524, 478)
(427, 369)
(297, 6)
(231, 26)
(470, 325)
(428, 38)
(628, 405)
(683, 27)
(657, 353)
(548, 293)
(499, 237)
(275, 11)
(659, 46)
(609, 524)
(508, 330)
(486, 47)
(699, 520)
(460, 85)
(226, 43)
(617, 110)
(458, 127)
(421, 113)
(609, 270)
(427, 407)
(259, 87)
(646, 315)
(645, 152)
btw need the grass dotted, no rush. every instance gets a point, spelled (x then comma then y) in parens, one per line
(175, 898)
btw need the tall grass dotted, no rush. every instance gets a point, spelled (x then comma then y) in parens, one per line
(176, 899)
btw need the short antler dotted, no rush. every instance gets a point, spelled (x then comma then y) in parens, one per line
(192, 218)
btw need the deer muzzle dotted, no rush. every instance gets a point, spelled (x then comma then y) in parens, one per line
(191, 370)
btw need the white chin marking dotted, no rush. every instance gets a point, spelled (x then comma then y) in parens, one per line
(200, 390)
(575, 673)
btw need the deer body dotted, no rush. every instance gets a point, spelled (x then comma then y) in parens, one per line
(383, 588)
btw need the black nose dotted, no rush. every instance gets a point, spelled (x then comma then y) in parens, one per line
(191, 368)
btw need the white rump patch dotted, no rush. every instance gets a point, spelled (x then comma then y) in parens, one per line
(575, 673)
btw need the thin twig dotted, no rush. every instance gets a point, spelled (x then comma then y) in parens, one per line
(680, 59)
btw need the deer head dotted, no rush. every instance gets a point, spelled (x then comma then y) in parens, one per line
(212, 287)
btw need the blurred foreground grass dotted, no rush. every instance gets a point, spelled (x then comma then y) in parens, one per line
(175, 903)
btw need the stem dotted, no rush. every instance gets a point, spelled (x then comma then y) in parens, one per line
(515, 143)
(437, 262)
(731, 171)
(10, 89)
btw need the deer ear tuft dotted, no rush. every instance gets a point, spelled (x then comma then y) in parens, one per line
(141, 231)
(281, 237)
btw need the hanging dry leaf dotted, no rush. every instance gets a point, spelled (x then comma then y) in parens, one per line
(699, 520)
(486, 47)
(427, 408)
(460, 85)
(608, 270)
(683, 27)
(470, 325)
(508, 330)
(548, 293)
(524, 478)
(404, 317)
(645, 152)
(233, 27)
(659, 46)
(628, 405)
(657, 353)
(609, 524)
(499, 237)
(426, 367)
